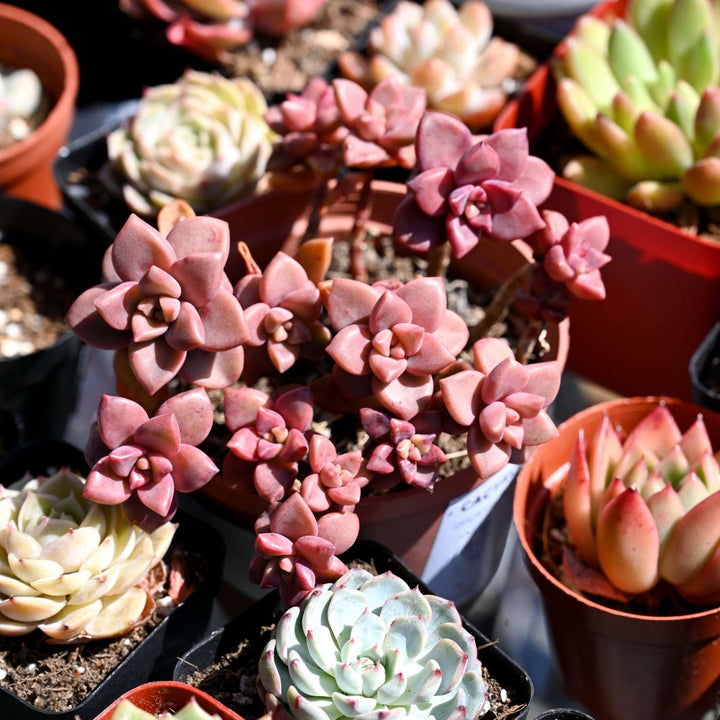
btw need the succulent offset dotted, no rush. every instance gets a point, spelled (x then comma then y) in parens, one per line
(642, 94)
(448, 52)
(69, 567)
(126, 710)
(646, 508)
(201, 139)
(21, 104)
(369, 646)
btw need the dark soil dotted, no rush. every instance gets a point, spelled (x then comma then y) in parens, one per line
(33, 303)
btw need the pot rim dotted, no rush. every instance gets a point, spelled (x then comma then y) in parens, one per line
(65, 102)
(525, 479)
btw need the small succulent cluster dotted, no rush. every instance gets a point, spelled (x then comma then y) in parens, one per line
(201, 139)
(22, 104)
(642, 94)
(369, 646)
(126, 710)
(211, 28)
(448, 51)
(645, 509)
(71, 568)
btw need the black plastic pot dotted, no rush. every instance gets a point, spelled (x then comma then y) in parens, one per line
(704, 370)
(564, 714)
(11, 432)
(265, 611)
(154, 657)
(40, 387)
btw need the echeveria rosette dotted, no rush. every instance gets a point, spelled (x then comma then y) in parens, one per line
(403, 451)
(468, 188)
(311, 134)
(645, 509)
(502, 403)
(334, 480)
(390, 342)
(382, 125)
(269, 438)
(143, 462)
(127, 710)
(281, 309)
(370, 647)
(294, 551)
(572, 254)
(169, 303)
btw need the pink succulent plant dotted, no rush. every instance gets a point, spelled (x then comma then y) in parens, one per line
(502, 402)
(382, 125)
(169, 303)
(404, 451)
(311, 135)
(573, 253)
(469, 188)
(269, 438)
(391, 342)
(143, 462)
(545, 299)
(282, 309)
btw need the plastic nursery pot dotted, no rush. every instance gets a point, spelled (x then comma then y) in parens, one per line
(169, 696)
(258, 617)
(704, 370)
(27, 40)
(155, 656)
(564, 714)
(453, 537)
(40, 387)
(617, 664)
(663, 285)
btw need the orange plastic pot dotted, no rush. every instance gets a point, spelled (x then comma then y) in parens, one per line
(27, 40)
(663, 285)
(169, 696)
(407, 522)
(619, 665)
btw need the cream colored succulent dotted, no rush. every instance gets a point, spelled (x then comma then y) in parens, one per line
(69, 567)
(191, 711)
(202, 139)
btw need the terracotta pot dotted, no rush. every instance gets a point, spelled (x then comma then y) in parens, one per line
(27, 40)
(169, 696)
(407, 522)
(618, 664)
(654, 266)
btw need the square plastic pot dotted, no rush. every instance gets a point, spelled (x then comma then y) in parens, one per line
(155, 656)
(663, 285)
(266, 610)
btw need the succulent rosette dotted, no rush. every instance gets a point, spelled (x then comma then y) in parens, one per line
(645, 509)
(71, 568)
(126, 710)
(369, 646)
(502, 403)
(201, 139)
(390, 342)
(169, 303)
(382, 125)
(467, 188)
(143, 462)
(269, 438)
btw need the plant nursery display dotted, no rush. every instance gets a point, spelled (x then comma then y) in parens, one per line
(618, 520)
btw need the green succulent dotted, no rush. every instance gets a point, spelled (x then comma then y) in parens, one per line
(642, 94)
(370, 647)
(192, 711)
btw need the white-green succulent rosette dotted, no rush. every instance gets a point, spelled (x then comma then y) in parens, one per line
(192, 711)
(370, 647)
(71, 568)
(202, 139)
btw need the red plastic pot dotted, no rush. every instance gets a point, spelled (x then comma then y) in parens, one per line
(663, 285)
(169, 696)
(27, 40)
(407, 522)
(618, 664)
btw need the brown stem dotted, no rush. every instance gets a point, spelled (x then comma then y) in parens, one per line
(357, 242)
(527, 341)
(316, 210)
(252, 267)
(439, 260)
(501, 302)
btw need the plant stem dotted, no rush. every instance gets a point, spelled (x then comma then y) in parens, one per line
(357, 242)
(501, 302)
(316, 210)
(527, 342)
(439, 260)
